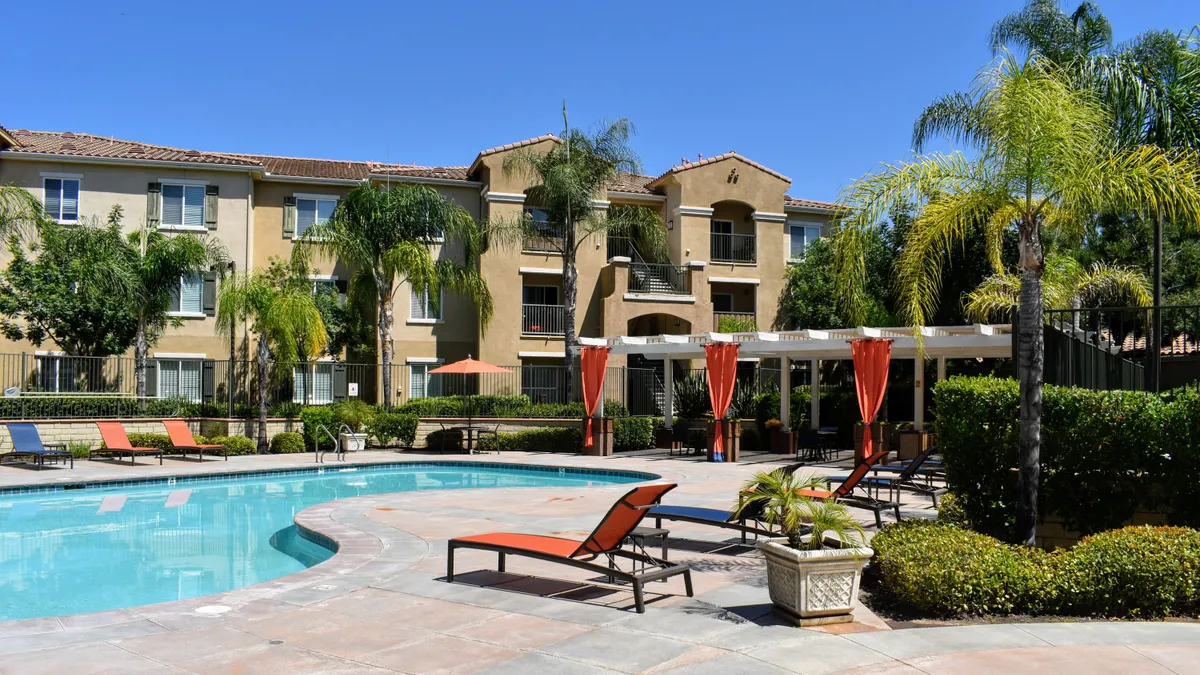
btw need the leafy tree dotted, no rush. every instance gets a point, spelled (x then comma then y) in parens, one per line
(20, 212)
(809, 298)
(389, 236)
(159, 262)
(72, 285)
(286, 320)
(565, 180)
(1066, 284)
(1045, 158)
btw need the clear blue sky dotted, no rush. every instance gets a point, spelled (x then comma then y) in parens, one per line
(820, 91)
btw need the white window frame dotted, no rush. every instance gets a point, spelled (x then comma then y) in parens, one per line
(41, 358)
(557, 291)
(183, 314)
(310, 391)
(78, 178)
(298, 196)
(182, 183)
(806, 227)
(319, 279)
(714, 221)
(424, 321)
(179, 360)
(425, 364)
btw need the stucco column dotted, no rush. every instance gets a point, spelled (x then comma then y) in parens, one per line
(919, 394)
(814, 394)
(941, 368)
(668, 393)
(785, 393)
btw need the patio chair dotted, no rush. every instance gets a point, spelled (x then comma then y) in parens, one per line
(116, 444)
(845, 492)
(27, 442)
(745, 522)
(494, 432)
(606, 540)
(905, 477)
(183, 442)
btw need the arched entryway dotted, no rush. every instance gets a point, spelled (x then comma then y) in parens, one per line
(645, 377)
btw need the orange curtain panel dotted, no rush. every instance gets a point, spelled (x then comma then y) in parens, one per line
(871, 359)
(595, 364)
(721, 360)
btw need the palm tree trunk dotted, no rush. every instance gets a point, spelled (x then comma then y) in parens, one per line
(1031, 354)
(262, 365)
(385, 341)
(570, 282)
(232, 373)
(140, 350)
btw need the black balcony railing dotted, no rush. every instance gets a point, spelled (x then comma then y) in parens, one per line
(544, 238)
(543, 319)
(665, 279)
(738, 248)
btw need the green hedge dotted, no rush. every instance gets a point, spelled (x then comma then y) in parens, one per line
(560, 439)
(943, 570)
(389, 427)
(314, 416)
(236, 445)
(1104, 454)
(287, 442)
(633, 433)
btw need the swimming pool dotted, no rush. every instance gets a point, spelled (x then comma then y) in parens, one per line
(94, 547)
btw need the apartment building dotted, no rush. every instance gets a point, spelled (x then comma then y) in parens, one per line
(732, 231)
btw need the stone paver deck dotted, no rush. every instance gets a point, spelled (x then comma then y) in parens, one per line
(381, 604)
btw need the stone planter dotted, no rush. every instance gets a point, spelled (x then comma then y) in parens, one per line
(733, 440)
(878, 438)
(912, 444)
(352, 442)
(783, 442)
(602, 437)
(811, 588)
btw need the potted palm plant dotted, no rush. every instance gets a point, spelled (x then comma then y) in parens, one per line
(356, 415)
(814, 569)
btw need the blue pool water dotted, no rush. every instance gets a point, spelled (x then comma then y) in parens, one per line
(110, 546)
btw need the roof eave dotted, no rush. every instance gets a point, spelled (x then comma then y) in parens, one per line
(427, 180)
(86, 159)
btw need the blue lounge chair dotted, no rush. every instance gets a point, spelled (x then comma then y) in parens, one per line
(28, 443)
(744, 522)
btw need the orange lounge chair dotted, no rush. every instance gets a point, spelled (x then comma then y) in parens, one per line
(116, 443)
(606, 540)
(183, 442)
(843, 493)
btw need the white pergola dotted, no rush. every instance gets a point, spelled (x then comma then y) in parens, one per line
(814, 346)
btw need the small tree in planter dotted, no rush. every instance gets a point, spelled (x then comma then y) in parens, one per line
(814, 569)
(356, 415)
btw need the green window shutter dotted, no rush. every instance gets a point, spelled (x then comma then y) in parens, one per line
(208, 297)
(289, 217)
(339, 382)
(210, 206)
(151, 378)
(206, 380)
(153, 204)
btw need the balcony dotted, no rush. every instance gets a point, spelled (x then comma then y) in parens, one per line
(543, 319)
(734, 322)
(545, 238)
(734, 248)
(660, 279)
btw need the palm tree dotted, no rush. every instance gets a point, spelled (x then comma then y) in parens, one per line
(20, 211)
(1045, 159)
(1065, 284)
(388, 236)
(285, 319)
(1042, 27)
(160, 262)
(565, 180)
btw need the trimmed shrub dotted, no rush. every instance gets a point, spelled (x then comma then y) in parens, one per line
(287, 442)
(389, 427)
(314, 416)
(1104, 453)
(950, 511)
(632, 433)
(288, 409)
(236, 445)
(449, 439)
(615, 409)
(562, 439)
(940, 570)
(943, 570)
(139, 440)
(79, 449)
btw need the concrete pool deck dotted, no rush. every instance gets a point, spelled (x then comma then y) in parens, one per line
(381, 605)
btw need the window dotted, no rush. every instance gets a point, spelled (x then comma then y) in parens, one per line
(420, 383)
(419, 307)
(183, 206)
(189, 299)
(57, 373)
(313, 384)
(311, 212)
(540, 295)
(62, 199)
(802, 237)
(178, 378)
(721, 226)
(722, 302)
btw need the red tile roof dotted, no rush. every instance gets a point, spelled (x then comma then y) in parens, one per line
(405, 170)
(809, 203)
(631, 182)
(713, 160)
(87, 145)
(304, 167)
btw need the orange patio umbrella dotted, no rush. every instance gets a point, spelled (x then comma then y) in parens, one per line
(468, 366)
